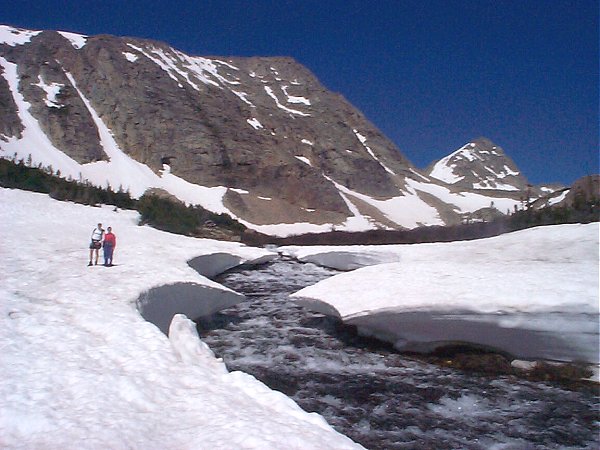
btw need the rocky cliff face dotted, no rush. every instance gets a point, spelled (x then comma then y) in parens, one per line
(281, 148)
(584, 190)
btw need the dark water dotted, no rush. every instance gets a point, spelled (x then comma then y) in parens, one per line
(377, 397)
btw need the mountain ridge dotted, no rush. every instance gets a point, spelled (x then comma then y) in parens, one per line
(259, 138)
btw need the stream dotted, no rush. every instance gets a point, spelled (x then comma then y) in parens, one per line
(378, 397)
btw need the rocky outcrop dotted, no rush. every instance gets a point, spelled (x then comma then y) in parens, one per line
(584, 190)
(53, 101)
(10, 125)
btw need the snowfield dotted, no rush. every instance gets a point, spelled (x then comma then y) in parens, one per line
(531, 293)
(82, 369)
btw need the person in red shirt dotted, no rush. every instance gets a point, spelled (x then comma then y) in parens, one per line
(109, 245)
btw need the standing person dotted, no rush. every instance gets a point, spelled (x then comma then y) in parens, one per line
(96, 243)
(110, 242)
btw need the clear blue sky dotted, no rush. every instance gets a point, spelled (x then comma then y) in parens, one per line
(431, 74)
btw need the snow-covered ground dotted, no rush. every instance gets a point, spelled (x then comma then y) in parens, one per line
(532, 293)
(82, 369)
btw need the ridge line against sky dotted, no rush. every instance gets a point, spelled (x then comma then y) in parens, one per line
(431, 74)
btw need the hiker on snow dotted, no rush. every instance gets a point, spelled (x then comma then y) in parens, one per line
(110, 242)
(96, 243)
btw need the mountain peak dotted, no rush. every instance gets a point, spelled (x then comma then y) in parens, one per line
(258, 138)
(479, 164)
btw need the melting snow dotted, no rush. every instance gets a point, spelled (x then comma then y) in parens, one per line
(77, 40)
(242, 96)
(16, 36)
(444, 169)
(508, 171)
(225, 63)
(120, 170)
(130, 57)
(52, 90)
(558, 199)
(463, 201)
(269, 91)
(33, 142)
(532, 293)
(81, 368)
(197, 68)
(492, 184)
(408, 211)
(356, 222)
(304, 160)
(289, 229)
(363, 141)
(294, 99)
(254, 123)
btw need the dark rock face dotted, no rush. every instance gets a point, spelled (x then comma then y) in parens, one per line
(64, 118)
(10, 125)
(585, 189)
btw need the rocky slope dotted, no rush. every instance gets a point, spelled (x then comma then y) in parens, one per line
(259, 138)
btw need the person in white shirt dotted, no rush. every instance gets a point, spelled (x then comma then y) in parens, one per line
(96, 242)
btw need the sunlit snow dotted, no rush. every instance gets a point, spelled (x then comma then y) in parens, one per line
(254, 123)
(304, 159)
(463, 201)
(15, 36)
(408, 211)
(363, 141)
(271, 94)
(76, 40)
(532, 293)
(119, 171)
(51, 90)
(443, 170)
(294, 98)
(82, 369)
(130, 56)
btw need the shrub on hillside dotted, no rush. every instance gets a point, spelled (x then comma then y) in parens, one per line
(19, 175)
(171, 215)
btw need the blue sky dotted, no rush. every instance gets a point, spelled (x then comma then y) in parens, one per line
(431, 74)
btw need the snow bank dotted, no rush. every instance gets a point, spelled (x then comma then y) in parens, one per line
(160, 304)
(82, 369)
(343, 257)
(216, 263)
(532, 293)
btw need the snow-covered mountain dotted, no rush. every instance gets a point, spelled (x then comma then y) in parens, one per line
(258, 138)
(479, 165)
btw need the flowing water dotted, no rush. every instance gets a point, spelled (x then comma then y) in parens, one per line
(377, 397)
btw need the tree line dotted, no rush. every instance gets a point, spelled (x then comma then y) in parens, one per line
(169, 214)
(163, 213)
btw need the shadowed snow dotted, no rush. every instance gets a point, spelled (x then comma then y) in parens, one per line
(532, 293)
